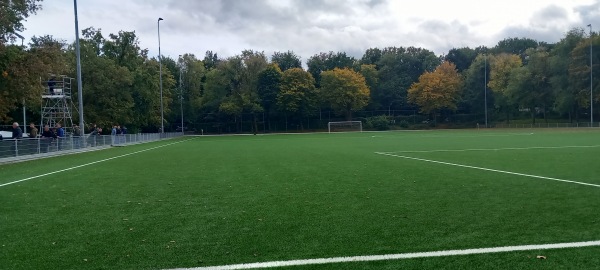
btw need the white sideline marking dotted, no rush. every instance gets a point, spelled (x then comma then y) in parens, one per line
(91, 163)
(496, 149)
(369, 258)
(490, 170)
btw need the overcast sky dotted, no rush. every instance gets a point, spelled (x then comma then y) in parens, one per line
(308, 27)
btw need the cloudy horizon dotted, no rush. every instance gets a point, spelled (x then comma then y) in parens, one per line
(312, 26)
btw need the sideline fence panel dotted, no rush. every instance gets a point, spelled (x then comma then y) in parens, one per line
(28, 147)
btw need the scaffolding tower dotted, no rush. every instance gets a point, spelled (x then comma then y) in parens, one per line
(57, 105)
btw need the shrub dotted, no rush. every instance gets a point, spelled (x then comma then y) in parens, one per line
(403, 124)
(381, 122)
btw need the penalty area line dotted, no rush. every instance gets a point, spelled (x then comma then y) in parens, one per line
(489, 170)
(369, 258)
(88, 164)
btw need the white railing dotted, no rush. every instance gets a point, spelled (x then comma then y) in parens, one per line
(30, 148)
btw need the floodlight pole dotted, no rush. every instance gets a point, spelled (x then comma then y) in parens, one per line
(24, 115)
(79, 81)
(162, 116)
(485, 90)
(591, 81)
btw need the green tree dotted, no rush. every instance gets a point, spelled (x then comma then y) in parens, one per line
(269, 81)
(437, 90)
(579, 72)
(22, 69)
(345, 90)
(193, 74)
(567, 100)
(530, 85)
(398, 68)
(12, 15)
(298, 95)
(371, 75)
(516, 46)
(461, 57)
(328, 61)
(501, 69)
(286, 60)
(474, 83)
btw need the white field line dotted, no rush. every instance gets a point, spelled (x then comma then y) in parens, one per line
(369, 258)
(495, 149)
(91, 163)
(490, 170)
(478, 136)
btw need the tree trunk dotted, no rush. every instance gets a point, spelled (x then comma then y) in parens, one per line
(348, 114)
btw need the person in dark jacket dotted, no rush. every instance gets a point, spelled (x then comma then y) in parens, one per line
(47, 137)
(51, 84)
(17, 134)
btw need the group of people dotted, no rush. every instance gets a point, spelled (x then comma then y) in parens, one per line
(118, 134)
(56, 136)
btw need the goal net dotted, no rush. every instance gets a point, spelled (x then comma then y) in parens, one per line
(344, 126)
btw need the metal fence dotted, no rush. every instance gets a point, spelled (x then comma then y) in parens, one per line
(548, 125)
(29, 148)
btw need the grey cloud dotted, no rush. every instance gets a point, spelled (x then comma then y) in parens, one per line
(549, 24)
(550, 36)
(589, 14)
(551, 13)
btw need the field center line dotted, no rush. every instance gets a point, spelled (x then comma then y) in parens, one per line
(370, 258)
(489, 170)
(496, 149)
(91, 163)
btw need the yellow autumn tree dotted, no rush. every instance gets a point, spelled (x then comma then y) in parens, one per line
(346, 90)
(501, 67)
(437, 90)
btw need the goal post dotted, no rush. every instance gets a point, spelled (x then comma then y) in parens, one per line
(345, 126)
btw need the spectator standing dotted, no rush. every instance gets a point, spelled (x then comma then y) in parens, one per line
(47, 137)
(33, 131)
(60, 133)
(76, 137)
(124, 134)
(17, 134)
(113, 135)
(51, 84)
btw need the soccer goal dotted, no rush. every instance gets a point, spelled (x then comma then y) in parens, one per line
(344, 126)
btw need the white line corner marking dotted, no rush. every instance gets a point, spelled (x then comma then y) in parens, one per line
(443, 253)
(91, 163)
(489, 170)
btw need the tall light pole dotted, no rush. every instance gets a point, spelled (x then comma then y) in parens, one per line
(591, 81)
(162, 116)
(485, 90)
(181, 93)
(24, 115)
(79, 82)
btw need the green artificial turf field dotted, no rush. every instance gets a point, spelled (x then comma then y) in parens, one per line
(205, 201)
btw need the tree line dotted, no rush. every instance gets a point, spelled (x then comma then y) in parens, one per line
(519, 77)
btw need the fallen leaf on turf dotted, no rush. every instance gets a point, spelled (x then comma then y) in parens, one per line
(541, 257)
